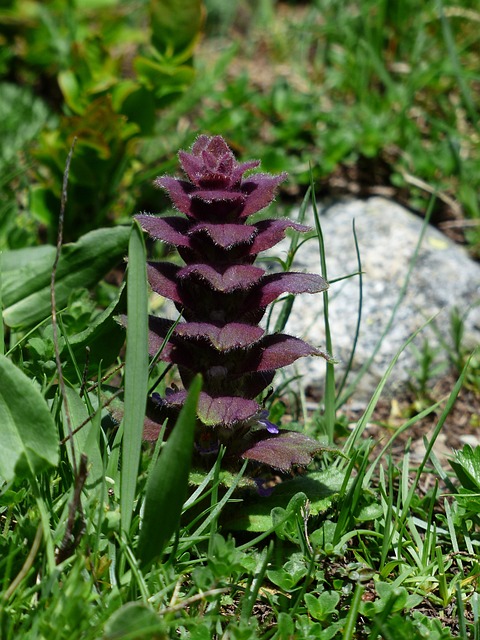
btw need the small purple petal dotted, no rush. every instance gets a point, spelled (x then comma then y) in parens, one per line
(264, 490)
(271, 428)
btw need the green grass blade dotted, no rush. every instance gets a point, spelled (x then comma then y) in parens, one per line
(136, 372)
(353, 613)
(252, 592)
(351, 387)
(446, 411)
(362, 423)
(462, 627)
(168, 482)
(359, 315)
(329, 399)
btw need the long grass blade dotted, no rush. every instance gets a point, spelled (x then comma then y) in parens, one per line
(329, 397)
(359, 315)
(362, 423)
(136, 373)
(366, 365)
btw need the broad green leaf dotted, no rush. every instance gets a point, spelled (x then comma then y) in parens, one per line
(136, 372)
(28, 437)
(27, 272)
(322, 607)
(288, 576)
(104, 337)
(321, 489)
(167, 484)
(135, 621)
(467, 467)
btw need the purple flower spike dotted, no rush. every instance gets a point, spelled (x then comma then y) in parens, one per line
(222, 296)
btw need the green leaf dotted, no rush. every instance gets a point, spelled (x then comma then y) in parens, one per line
(289, 575)
(134, 621)
(27, 272)
(322, 607)
(136, 372)
(72, 90)
(396, 597)
(167, 484)
(467, 467)
(104, 337)
(28, 437)
(176, 25)
(321, 488)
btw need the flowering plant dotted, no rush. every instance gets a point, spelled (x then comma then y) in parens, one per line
(222, 297)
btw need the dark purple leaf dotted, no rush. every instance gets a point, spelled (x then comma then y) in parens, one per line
(260, 188)
(279, 350)
(231, 336)
(217, 412)
(172, 230)
(272, 231)
(226, 235)
(162, 278)
(158, 329)
(284, 450)
(239, 276)
(210, 196)
(179, 192)
(276, 284)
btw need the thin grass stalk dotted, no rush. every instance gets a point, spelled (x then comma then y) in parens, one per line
(265, 534)
(462, 626)
(113, 466)
(362, 423)
(353, 612)
(136, 373)
(431, 529)
(305, 585)
(452, 533)
(214, 514)
(197, 495)
(329, 396)
(214, 501)
(403, 290)
(287, 306)
(442, 577)
(135, 569)
(252, 592)
(350, 500)
(359, 316)
(429, 446)
(388, 529)
(397, 433)
(46, 527)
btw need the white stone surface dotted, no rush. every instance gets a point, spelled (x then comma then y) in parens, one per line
(443, 277)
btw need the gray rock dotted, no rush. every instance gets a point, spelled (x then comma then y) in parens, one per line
(444, 277)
